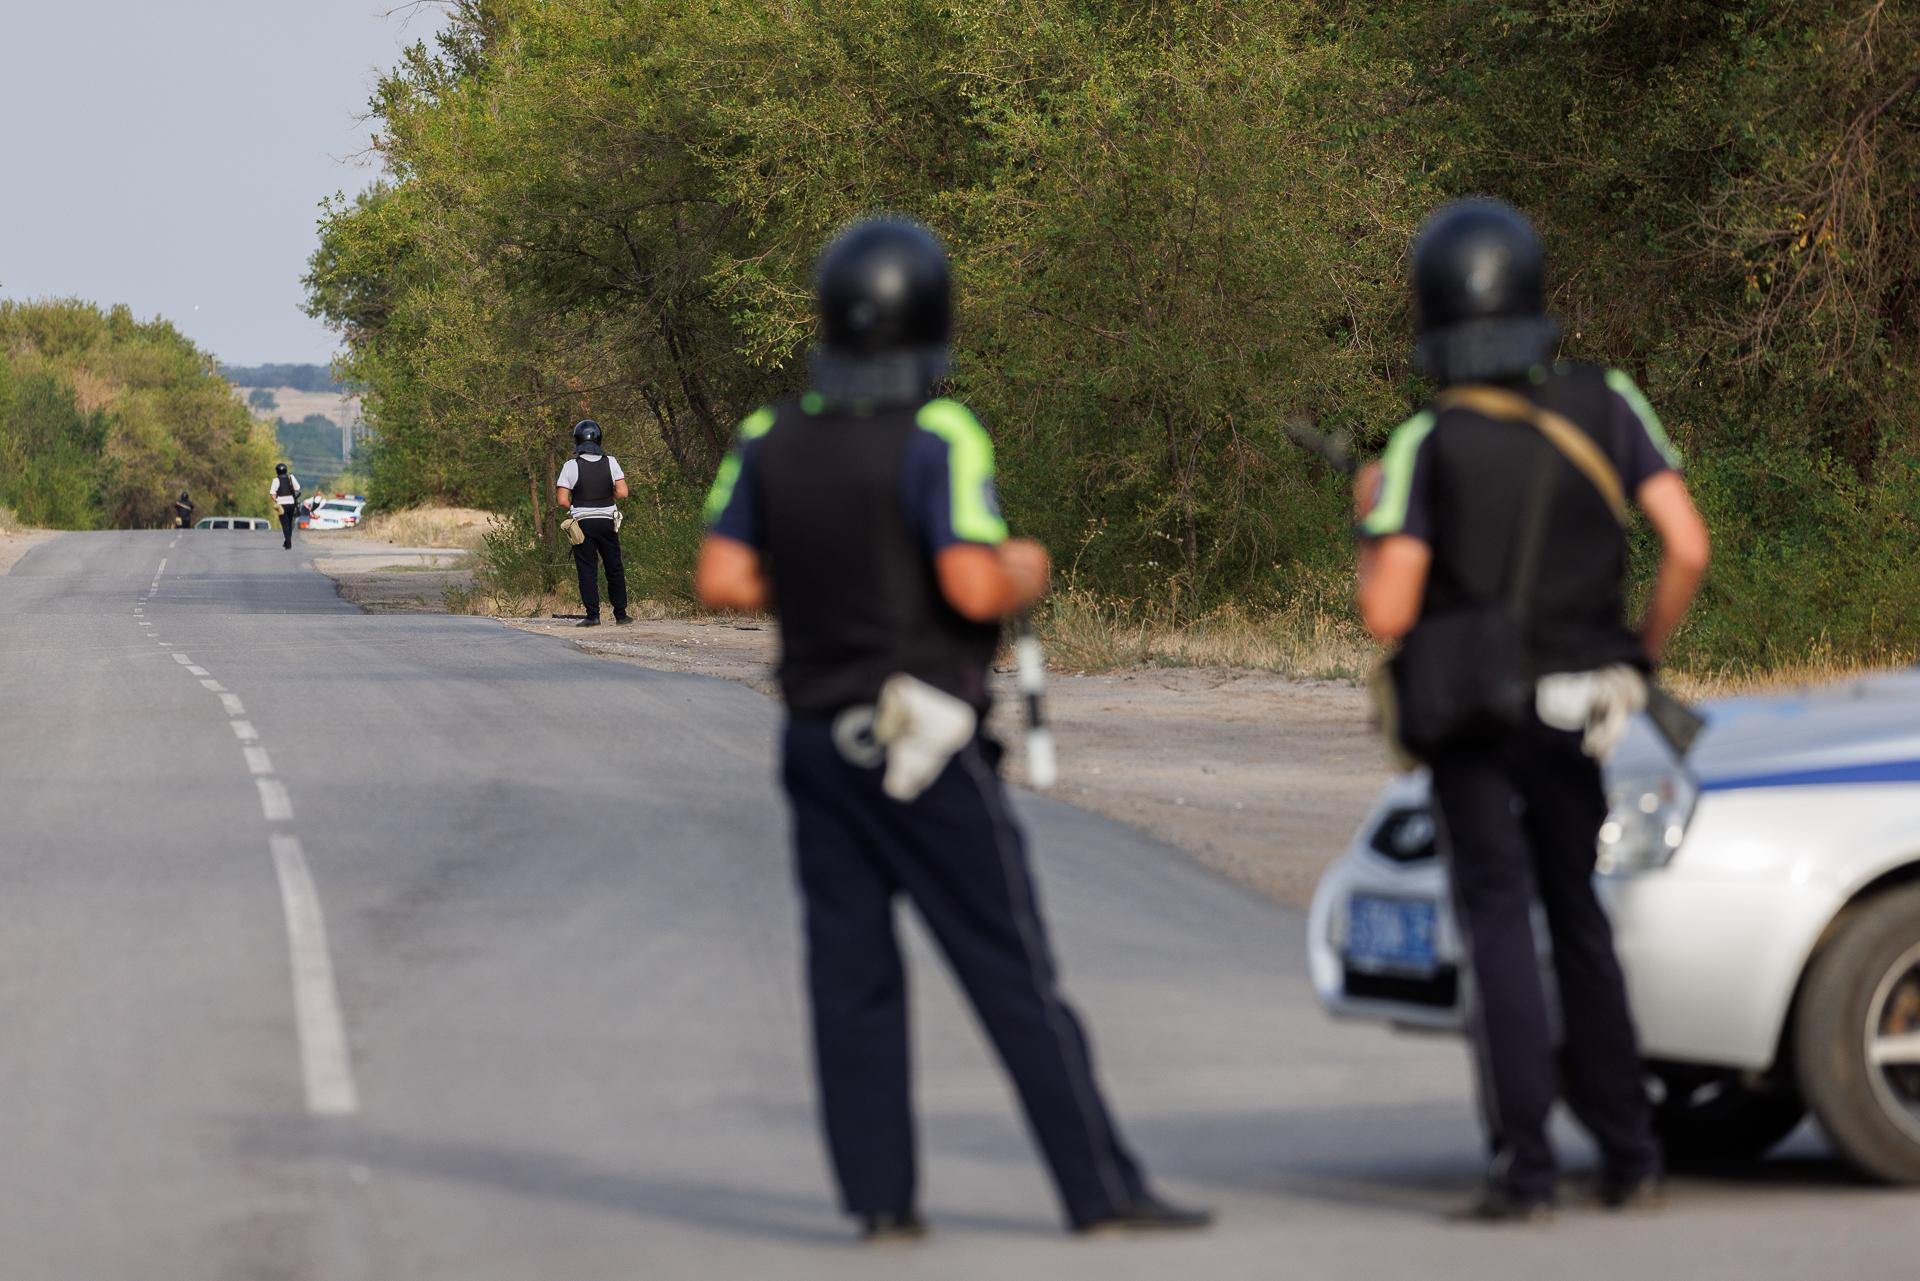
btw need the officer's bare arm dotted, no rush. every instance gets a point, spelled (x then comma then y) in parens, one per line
(1685, 550)
(564, 497)
(728, 575)
(1393, 581)
(984, 584)
(620, 488)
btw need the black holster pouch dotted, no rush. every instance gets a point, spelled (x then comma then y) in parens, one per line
(1460, 675)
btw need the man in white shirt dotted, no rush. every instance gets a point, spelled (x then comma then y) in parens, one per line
(285, 492)
(588, 486)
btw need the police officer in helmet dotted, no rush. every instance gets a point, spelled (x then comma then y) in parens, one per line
(183, 512)
(1510, 492)
(864, 513)
(285, 493)
(588, 485)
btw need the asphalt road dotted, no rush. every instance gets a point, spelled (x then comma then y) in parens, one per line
(337, 946)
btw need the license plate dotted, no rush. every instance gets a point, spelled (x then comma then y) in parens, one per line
(1392, 934)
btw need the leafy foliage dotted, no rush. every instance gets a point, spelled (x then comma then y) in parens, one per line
(1176, 224)
(105, 419)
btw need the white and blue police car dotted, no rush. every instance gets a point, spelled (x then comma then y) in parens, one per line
(1765, 898)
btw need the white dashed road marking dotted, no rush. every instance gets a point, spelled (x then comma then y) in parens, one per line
(325, 1066)
(274, 801)
(324, 1062)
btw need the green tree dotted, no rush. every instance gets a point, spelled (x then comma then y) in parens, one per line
(105, 419)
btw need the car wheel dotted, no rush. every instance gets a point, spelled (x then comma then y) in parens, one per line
(1857, 1049)
(1716, 1119)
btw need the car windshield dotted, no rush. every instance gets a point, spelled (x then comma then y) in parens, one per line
(348, 509)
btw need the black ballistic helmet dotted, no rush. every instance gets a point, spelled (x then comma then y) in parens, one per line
(183, 496)
(586, 435)
(885, 302)
(279, 469)
(1479, 279)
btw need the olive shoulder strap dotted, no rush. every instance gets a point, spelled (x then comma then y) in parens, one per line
(1575, 445)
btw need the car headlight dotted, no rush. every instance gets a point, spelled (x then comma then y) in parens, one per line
(1647, 817)
(1405, 835)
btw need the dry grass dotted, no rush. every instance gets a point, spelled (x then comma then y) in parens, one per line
(1814, 669)
(10, 523)
(1084, 633)
(478, 600)
(455, 527)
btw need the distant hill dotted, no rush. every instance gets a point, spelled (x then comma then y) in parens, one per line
(318, 378)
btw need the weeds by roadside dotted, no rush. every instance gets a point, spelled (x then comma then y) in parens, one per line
(10, 523)
(1085, 633)
(461, 527)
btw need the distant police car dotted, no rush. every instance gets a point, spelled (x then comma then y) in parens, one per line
(232, 522)
(340, 512)
(1766, 906)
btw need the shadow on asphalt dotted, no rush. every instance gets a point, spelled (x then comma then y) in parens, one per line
(1371, 1181)
(784, 1217)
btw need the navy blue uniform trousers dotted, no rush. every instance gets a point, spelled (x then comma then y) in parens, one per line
(957, 855)
(1522, 815)
(602, 544)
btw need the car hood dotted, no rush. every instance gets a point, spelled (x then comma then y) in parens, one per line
(1865, 730)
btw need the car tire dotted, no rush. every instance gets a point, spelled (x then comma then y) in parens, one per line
(1861, 988)
(1716, 1120)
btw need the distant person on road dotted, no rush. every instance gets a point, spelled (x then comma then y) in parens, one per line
(285, 492)
(589, 483)
(1495, 550)
(183, 512)
(864, 512)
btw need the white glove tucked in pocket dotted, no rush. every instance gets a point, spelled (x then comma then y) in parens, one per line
(922, 729)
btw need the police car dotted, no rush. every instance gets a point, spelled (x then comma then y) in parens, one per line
(339, 512)
(1766, 905)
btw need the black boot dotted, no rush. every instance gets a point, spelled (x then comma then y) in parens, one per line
(1148, 1214)
(591, 620)
(1495, 1204)
(903, 1225)
(1641, 1192)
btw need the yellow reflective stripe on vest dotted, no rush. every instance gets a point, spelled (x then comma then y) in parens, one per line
(758, 424)
(1389, 514)
(969, 470)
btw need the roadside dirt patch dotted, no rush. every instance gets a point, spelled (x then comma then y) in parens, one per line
(740, 650)
(1257, 776)
(384, 579)
(15, 544)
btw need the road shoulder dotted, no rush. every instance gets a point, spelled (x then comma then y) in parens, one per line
(17, 543)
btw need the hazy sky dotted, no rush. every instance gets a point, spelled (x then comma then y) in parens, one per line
(172, 154)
